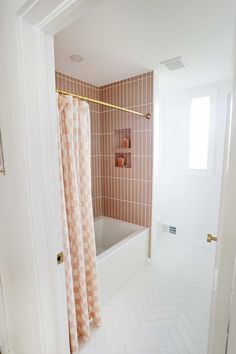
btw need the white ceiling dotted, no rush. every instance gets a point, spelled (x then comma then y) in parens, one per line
(123, 38)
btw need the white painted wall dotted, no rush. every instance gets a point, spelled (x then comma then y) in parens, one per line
(190, 201)
(155, 226)
(16, 247)
(29, 192)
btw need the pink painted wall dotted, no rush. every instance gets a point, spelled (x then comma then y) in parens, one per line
(121, 193)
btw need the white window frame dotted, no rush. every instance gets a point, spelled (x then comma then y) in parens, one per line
(209, 171)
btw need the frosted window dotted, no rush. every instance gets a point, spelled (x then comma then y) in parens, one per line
(199, 133)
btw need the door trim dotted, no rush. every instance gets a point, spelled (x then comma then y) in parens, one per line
(37, 22)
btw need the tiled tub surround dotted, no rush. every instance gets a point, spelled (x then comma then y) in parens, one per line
(127, 191)
(120, 193)
(67, 83)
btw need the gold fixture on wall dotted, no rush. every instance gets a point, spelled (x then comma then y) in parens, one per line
(210, 238)
(148, 115)
(60, 258)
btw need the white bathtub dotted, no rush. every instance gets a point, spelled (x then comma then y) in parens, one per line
(122, 250)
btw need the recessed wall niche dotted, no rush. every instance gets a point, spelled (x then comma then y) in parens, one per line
(123, 160)
(122, 138)
(122, 147)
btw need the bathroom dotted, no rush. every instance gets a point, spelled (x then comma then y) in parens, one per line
(115, 190)
(133, 157)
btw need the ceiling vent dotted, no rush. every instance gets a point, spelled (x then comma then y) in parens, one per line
(174, 64)
(77, 58)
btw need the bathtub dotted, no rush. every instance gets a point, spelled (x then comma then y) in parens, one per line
(122, 250)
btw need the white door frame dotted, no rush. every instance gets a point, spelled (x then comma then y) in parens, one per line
(222, 314)
(37, 23)
(231, 345)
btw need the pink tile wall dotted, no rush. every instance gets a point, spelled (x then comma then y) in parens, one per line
(67, 83)
(121, 193)
(127, 191)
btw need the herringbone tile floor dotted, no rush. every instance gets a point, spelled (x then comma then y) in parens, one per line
(164, 309)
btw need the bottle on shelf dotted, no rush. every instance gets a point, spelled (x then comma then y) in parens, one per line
(120, 161)
(125, 142)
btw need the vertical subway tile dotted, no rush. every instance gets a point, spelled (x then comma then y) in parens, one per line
(124, 194)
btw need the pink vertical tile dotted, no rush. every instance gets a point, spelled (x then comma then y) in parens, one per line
(132, 92)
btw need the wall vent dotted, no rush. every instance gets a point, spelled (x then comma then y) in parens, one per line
(170, 229)
(174, 63)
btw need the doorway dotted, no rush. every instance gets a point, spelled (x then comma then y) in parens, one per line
(35, 40)
(192, 125)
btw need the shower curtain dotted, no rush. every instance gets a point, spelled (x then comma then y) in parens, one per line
(78, 227)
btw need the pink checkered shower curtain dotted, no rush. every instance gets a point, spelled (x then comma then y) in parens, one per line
(79, 240)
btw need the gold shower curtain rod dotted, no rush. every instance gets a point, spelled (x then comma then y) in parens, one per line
(148, 115)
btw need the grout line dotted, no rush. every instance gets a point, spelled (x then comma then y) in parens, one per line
(121, 152)
(124, 178)
(75, 80)
(133, 131)
(128, 81)
(125, 201)
(136, 107)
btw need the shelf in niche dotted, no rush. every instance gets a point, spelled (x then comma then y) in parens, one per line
(122, 136)
(119, 135)
(122, 150)
(127, 159)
